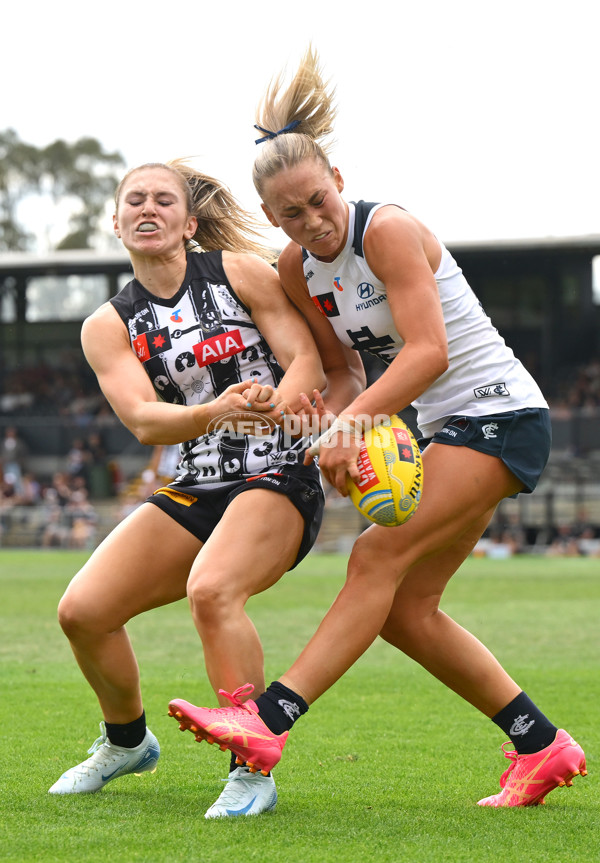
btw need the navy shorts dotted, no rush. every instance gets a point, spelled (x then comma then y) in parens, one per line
(199, 508)
(521, 439)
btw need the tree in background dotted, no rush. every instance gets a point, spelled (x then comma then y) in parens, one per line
(81, 172)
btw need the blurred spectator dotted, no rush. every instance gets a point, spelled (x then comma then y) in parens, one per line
(31, 491)
(579, 389)
(513, 536)
(163, 463)
(8, 497)
(61, 487)
(77, 459)
(98, 474)
(67, 387)
(13, 452)
(565, 543)
(55, 530)
(589, 543)
(81, 519)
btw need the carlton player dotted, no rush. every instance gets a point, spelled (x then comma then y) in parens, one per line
(373, 277)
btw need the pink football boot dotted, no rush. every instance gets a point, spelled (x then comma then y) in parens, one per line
(530, 777)
(239, 729)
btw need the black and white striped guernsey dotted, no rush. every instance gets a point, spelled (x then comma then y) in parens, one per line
(193, 346)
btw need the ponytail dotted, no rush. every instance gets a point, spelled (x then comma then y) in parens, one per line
(296, 122)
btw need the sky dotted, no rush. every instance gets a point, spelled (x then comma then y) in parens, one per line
(481, 118)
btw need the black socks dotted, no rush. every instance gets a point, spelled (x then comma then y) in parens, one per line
(129, 735)
(279, 707)
(527, 727)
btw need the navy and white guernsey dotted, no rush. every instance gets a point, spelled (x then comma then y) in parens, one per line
(193, 346)
(483, 376)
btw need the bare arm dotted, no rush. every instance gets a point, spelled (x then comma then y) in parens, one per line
(401, 252)
(127, 387)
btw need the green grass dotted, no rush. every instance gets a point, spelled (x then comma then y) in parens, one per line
(387, 766)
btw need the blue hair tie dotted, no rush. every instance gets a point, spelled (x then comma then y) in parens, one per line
(270, 135)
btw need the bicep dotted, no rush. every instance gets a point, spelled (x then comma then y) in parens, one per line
(275, 316)
(396, 255)
(120, 374)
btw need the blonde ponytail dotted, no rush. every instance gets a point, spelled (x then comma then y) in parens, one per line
(296, 122)
(222, 222)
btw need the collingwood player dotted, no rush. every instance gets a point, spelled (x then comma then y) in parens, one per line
(201, 348)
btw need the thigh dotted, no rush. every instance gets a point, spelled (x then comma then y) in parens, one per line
(461, 488)
(254, 544)
(143, 563)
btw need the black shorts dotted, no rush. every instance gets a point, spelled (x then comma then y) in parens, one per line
(521, 439)
(199, 509)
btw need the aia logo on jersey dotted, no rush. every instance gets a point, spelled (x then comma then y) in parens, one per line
(219, 347)
(326, 304)
(148, 345)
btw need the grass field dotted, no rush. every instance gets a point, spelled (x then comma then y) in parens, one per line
(387, 766)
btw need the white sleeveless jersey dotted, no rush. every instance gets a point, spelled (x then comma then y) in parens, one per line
(483, 375)
(193, 346)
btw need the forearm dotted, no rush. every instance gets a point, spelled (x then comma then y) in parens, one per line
(155, 423)
(409, 375)
(304, 374)
(343, 387)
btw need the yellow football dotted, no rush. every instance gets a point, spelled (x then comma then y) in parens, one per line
(391, 474)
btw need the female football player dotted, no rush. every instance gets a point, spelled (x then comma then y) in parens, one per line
(372, 277)
(203, 349)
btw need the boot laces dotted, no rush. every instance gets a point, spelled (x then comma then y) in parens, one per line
(235, 697)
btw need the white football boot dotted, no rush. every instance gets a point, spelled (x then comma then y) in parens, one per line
(244, 794)
(108, 762)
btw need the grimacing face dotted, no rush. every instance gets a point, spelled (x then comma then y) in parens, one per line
(152, 216)
(305, 202)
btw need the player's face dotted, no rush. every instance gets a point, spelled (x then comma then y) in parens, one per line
(305, 202)
(152, 217)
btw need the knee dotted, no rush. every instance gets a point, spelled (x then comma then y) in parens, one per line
(73, 615)
(375, 565)
(409, 621)
(209, 598)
